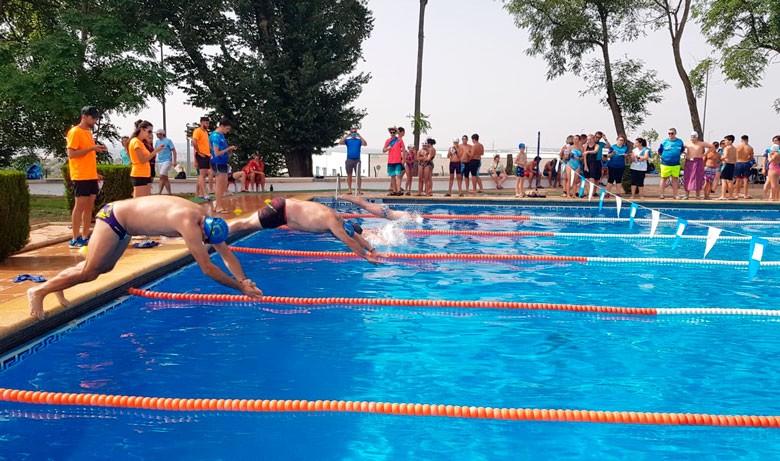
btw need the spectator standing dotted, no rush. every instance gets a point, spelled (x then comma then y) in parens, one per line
(521, 160)
(141, 171)
(765, 166)
(166, 159)
(219, 161)
(773, 172)
(82, 167)
(464, 152)
(475, 161)
(712, 165)
(200, 143)
(410, 159)
(354, 142)
(745, 161)
(564, 156)
(729, 165)
(616, 164)
(694, 165)
(670, 150)
(394, 147)
(640, 157)
(123, 151)
(455, 168)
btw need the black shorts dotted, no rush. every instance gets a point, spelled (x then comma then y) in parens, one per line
(153, 166)
(615, 175)
(219, 168)
(455, 167)
(594, 166)
(638, 178)
(728, 172)
(203, 162)
(85, 188)
(140, 181)
(274, 214)
(473, 167)
(464, 169)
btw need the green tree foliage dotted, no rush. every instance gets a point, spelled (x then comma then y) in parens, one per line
(566, 33)
(284, 71)
(635, 88)
(59, 55)
(747, 33)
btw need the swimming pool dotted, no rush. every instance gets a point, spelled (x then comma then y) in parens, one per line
(438, 355)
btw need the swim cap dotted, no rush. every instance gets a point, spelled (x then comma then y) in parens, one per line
(216, 230)
(358, 229)
(774, 148)
(521, 146)
(351, 229)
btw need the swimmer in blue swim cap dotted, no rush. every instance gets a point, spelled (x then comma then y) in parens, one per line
(308, 216)
(170, 216)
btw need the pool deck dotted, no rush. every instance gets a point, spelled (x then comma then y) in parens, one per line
(47, 254)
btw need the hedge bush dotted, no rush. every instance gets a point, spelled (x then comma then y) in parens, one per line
(116, 185)
(14, 212)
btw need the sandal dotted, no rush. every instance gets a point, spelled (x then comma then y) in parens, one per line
(146, 244)
(447, 195)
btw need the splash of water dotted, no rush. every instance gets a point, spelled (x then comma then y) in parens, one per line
(391, 234)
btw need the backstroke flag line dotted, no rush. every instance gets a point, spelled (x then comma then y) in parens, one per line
(757, 245)
(590, 192)
(712, 238)
(602, 193)
(654, 220)
(582, 186)
(619, 203)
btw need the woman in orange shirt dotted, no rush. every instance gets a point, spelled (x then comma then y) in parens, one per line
(141, 171)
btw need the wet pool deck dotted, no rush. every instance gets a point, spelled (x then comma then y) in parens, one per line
(48, 254)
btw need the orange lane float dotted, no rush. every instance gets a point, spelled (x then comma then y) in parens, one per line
(425, 256)
(388, 408)
(395, 302)
(453, 217)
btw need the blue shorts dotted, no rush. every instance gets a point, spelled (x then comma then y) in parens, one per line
(742, 170)
(520, 171)
(394, 169)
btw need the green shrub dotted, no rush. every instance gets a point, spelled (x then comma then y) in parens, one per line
(116, 185)
(14, 212)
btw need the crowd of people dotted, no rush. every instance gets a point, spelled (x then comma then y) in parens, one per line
(147, 157)
(700, 167)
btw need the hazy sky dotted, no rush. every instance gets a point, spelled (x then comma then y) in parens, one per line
(477, 78)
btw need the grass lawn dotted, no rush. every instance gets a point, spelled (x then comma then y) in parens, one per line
(48, 208)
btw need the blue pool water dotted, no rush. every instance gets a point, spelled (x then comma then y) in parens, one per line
(486, 357)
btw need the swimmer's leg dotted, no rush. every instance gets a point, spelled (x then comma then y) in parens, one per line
(373, 208)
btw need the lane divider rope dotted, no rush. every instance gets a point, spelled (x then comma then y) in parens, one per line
(567, 235)
(386, 408)
(497, 257)
(472, 217)
(443, 303)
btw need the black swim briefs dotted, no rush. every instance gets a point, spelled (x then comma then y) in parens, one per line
(273, 215)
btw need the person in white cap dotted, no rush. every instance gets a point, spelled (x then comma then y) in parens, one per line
(456, 168)
(165, 159)
(693, 172)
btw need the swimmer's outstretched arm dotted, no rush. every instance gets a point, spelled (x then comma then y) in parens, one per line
(234, 266)
(338, 230)
(192, 238)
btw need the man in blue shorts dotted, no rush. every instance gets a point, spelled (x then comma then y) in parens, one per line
(307, 216)
(219, 160)
(354, 141)
(117, 222)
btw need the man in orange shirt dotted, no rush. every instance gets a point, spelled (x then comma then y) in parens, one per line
(200, 142)
(82, 164)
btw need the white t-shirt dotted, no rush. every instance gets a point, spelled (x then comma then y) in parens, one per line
(639, 165)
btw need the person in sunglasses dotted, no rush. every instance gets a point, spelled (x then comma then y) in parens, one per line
(118, 221)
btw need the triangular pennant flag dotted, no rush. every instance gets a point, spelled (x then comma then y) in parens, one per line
(602, 193)
(632, 215)
(712, 238)
(619, 203)
(582, 186)
(757, 245)
(655, 218)
(571, 175)
(682, 224)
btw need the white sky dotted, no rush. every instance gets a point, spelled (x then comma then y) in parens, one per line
(477, 78)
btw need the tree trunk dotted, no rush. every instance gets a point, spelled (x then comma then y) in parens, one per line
(418, 85)
(677, 33)
(299, 163)
(617, 114)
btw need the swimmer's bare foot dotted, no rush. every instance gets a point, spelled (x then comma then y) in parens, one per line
(61, 298)
(36, 304)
